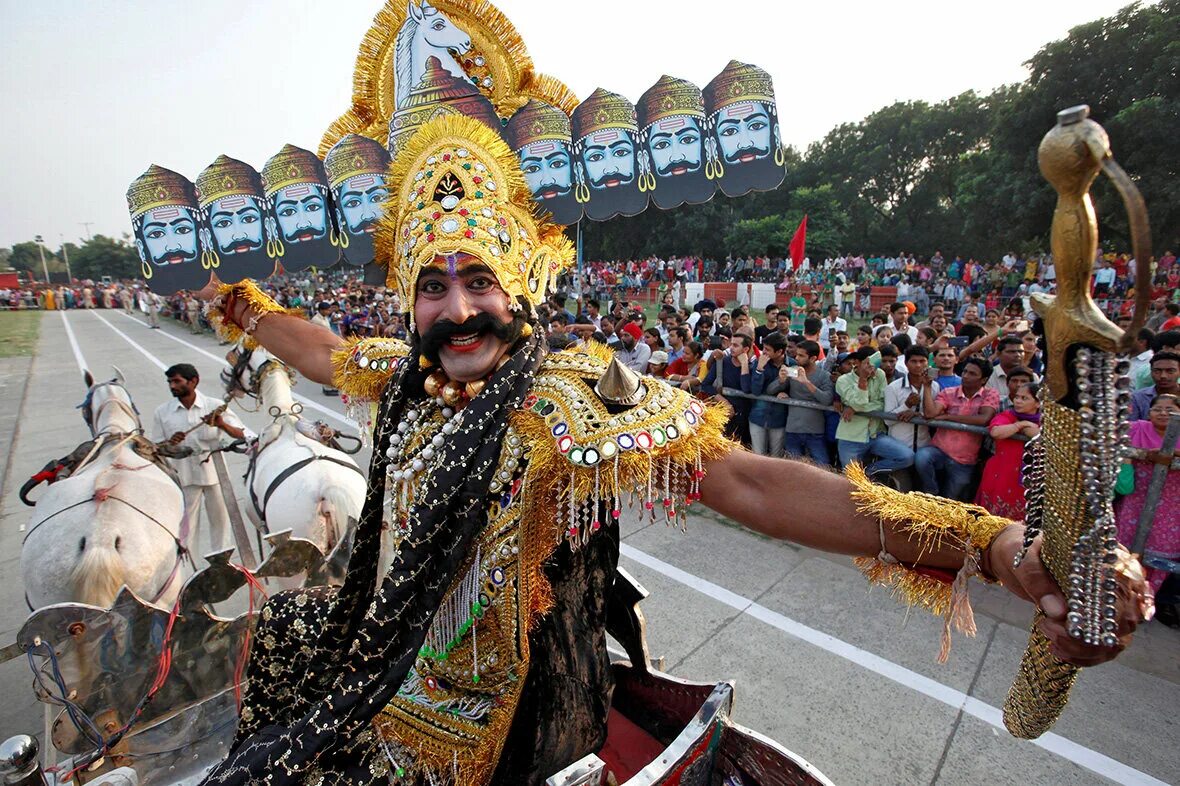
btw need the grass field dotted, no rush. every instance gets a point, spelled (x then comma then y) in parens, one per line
(18, 333)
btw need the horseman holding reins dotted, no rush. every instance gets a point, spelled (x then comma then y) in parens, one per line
(197, 421)
(500, 470)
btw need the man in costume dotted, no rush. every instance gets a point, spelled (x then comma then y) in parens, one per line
(499, 472)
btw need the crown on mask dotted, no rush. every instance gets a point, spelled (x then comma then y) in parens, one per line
(537, 121)
(670, 97)
(289, 166)
(603, 110)
(159, 187)
(460, 190)
(227, 177)
(355, 155)
(738, 82)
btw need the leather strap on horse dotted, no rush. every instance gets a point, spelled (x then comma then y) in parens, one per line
(286, 473)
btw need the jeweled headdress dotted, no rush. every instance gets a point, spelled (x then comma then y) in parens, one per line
(602, 110)
(670, 97)
(460, 190)
(227, 177)
(354, 155)
(289, 166)
(159, 187)
(536, 121)
(738, 82)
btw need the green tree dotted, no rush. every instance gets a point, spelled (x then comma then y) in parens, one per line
(104, 256)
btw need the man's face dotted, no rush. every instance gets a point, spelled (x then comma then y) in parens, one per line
(301, 212)
(1164, 374)
(833, 312)
(360, 199)
(546, 166)
(743, 131)
(944, 360)
(1015, 383)
(916, 365)
(889, 365)
(237, 224)
(937, 311)
(783, 323)
(740, 322)
(842, 341)
(972, 377)
(170, 235)
(900, 316)
(450, 303)
(609, 158)
(802, 358)
(706, 312)
(1011, 355)
(971, 314)
(675, 146)
(627, 339)
(181, 387)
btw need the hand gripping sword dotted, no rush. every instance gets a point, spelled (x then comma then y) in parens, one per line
(1071, 467)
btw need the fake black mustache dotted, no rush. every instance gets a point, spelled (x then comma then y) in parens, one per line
(480, 324)
(736, 156)
(623, 179)
(688, 165)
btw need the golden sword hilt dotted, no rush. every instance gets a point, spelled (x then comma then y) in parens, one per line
(1070, 468)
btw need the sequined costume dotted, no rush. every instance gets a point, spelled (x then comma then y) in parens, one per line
(479, 656)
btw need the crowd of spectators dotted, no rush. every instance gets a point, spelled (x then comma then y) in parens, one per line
(937, 392)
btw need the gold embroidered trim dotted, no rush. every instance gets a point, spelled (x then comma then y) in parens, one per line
(362, 366)
(248, 292)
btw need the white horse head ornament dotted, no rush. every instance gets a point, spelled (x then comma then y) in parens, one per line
(427, 32)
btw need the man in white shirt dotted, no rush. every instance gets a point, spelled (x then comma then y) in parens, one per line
(900, 314)
(903, 397)
(191, 420)
(832, 324)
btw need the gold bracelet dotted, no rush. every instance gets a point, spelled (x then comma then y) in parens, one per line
(220, 308)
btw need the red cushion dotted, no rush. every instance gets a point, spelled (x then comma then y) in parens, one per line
(628, 748)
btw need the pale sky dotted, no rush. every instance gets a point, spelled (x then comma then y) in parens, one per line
(93, 92)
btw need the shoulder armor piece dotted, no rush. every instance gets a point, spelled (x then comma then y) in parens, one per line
(363, 365)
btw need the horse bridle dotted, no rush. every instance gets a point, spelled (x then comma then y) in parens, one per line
(239, 360)
(90, 415)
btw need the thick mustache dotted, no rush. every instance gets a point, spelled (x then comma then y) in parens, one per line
(364, 226)
(480, 324)
(736, 156)
(184, 256)
(614, 176)
(691, 166)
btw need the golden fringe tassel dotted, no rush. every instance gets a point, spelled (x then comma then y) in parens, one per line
(931, 522)
(248, 292)
(363, 382)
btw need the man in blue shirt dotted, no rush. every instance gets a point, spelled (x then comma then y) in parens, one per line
(735, 373)
(944, 361)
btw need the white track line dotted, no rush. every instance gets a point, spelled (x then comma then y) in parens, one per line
(151, 358)
(306, 402)
(1067, 749)
(79, 358)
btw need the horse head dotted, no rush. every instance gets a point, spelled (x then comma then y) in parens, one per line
(427, 32)
(108, 407)
(247, 368)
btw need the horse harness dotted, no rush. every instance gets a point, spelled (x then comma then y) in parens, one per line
(260, 507)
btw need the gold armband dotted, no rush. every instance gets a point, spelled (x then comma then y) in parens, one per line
(220, 311)
(931, 522)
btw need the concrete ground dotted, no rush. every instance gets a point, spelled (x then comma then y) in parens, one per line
(840, 674)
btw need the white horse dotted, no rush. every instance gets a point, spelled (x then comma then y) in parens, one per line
(427, 32)
(296, 482)
(115, 520)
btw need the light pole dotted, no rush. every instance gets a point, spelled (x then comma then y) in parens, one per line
(41, 250)
(65, 254)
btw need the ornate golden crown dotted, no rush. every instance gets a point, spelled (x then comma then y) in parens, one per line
(738, 82)
(289, 166)
(460, 190)
(227, 177)
(159, 187)
(535, 121)
(355, 155)
(670, 97)
(440, 92)
(602, 110)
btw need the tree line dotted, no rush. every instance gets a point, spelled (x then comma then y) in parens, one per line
(958, 176)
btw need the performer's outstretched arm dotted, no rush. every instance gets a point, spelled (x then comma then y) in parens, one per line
(301, 344)
(802, 503)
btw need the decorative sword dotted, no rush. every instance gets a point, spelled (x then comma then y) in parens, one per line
(1071, 467)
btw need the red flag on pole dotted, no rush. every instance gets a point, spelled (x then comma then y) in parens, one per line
(798, 243)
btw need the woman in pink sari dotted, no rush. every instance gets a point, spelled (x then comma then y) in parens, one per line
(1164, 540)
